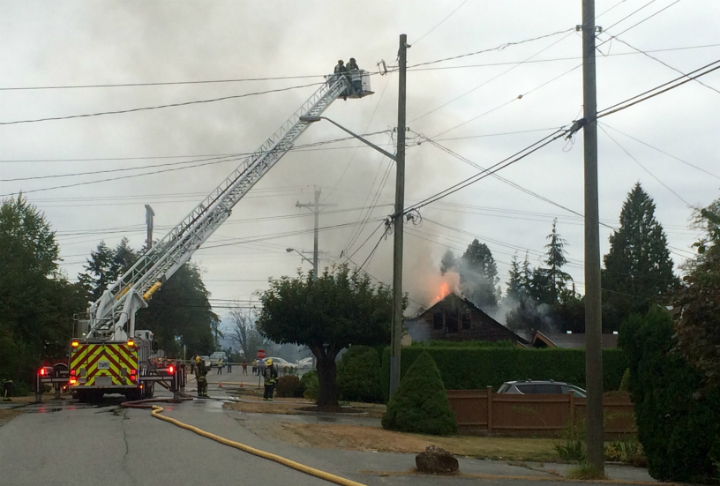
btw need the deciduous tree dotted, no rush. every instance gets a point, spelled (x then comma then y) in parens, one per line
(339, 309)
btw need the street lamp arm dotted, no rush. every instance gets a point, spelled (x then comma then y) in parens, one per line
(312, 119)
(289, 250)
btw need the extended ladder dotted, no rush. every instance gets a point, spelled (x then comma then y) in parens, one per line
(117, 306)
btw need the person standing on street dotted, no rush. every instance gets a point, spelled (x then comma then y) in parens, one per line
(220, 366)
(270, 376)
(201, 377)
(244, 365)
(255, 366)
(229, 365)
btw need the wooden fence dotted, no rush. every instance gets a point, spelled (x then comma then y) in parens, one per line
(483, 410)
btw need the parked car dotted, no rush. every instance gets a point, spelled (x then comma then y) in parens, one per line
(216, 356)
(534, 387)
(282, 365)
(306, 363)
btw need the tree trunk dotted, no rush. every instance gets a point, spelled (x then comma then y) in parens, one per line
(327, 378)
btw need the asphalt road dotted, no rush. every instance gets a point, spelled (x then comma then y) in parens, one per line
(67, 443)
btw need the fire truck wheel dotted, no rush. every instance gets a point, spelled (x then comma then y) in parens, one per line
(149, 390)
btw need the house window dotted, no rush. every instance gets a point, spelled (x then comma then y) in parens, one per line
(451, 322)
(466, 321)
(437, 320)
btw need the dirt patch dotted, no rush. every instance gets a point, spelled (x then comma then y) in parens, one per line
(7, 415)
(339, 410)
(363, 438)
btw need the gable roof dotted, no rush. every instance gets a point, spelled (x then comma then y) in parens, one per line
(473, 308)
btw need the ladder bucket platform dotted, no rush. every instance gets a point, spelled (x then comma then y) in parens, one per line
(359, 82)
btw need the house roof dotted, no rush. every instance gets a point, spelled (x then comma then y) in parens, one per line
(570, 341)
(473, 308)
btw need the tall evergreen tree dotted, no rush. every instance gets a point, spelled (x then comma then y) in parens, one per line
(556, 259)
(638, 268)
(478, 275)
(515, 283)
(36, 301)
(105, 266)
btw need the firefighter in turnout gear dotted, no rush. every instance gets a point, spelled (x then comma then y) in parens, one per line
(201, 372)
(270, 376)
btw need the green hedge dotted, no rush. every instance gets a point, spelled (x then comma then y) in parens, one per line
(476, 368)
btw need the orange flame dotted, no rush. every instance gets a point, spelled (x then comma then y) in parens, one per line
(443, 292)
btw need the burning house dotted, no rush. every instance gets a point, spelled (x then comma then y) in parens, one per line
(454, 318)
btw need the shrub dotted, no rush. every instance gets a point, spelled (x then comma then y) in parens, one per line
(287, 385)
(677, 427)
(420, 404)
(625, 382)
(310, 383)
(464, 368)
(359, 375)
(464, 344)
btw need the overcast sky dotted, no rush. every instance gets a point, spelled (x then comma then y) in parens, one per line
(468, 110)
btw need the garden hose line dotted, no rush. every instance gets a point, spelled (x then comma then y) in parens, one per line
(157, 410)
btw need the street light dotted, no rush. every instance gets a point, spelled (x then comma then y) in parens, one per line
(397, 319)
(290, 250)
(313, 119)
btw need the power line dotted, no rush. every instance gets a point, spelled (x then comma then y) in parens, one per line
(494, 77)
(440, 23)
(123, 169)
(519, 97)
(558, 59)
(492, 49)
(642, 21)
(645, 53)
(649, 93)
(298, 148)
(117, 178)
(643, 167)
(630, 14)
(165, 83)
(663, 152)
(157, 107)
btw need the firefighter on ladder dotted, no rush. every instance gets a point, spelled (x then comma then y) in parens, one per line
(201, 377)
(270, 375)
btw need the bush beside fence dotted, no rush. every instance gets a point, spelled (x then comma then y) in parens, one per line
(477, 368)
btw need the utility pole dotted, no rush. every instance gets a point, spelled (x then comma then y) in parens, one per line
(149, 218)
(397, 317)
(315, 208)
(593, 303)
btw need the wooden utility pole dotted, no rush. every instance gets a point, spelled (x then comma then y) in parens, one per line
(397, 318)
(315, 208)
(593, 303)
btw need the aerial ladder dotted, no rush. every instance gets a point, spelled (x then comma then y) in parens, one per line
(109, 355)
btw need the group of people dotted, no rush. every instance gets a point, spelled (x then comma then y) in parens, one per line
(265, 367)
(352, 70)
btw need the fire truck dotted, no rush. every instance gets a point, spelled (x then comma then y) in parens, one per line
(108, 355)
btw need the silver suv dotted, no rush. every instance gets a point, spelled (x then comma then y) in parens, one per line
(534, 387)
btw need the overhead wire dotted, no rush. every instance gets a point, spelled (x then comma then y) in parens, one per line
(441, 22)
(156, 107)
(663, 152)
(643, 167)
(571, 31)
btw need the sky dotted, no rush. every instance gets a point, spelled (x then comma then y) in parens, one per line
(471, 105)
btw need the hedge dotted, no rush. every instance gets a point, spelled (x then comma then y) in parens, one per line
(477, 368)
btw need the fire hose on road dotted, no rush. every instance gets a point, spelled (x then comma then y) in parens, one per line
(157, 411)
